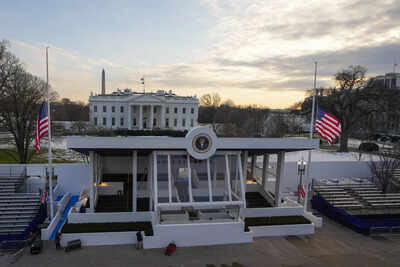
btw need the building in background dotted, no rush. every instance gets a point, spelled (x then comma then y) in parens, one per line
(126, 109)
(389, 80)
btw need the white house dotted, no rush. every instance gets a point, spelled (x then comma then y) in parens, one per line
(143, 111)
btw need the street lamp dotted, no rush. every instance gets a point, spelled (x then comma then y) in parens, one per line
(301, 168)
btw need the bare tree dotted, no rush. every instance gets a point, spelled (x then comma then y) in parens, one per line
(20, 96)
(209, 100)
(384, 170)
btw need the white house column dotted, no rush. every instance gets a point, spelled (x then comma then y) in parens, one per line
(91, 180)
(151, 117)
(265, 171)
(140, 117)
(134, 180)
(162, 117)
(129, 117)
(280, 167)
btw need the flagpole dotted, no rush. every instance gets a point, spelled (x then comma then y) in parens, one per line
(311, 136)
(50, 168)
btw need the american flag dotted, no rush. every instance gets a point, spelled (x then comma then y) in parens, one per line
(327, 126)
(302, 191)
(42, 125)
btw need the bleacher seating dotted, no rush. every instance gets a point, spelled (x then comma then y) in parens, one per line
(17, 210)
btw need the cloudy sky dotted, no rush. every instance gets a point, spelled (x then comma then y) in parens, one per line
(253, 52)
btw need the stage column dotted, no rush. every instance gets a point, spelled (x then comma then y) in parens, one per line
(91, 179)
(245, 166)
(134, 180)
(280, 168)
(265, 171)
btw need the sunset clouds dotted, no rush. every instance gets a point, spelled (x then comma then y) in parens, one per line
(259, 52)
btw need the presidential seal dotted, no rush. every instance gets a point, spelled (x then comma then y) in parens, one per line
(202, 143)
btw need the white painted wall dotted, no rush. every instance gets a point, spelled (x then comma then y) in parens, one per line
(72, 177)
(198, 234)
(100, 239)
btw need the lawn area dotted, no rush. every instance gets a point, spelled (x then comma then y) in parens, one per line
(8, 156)
(108, 227)
(278, 220)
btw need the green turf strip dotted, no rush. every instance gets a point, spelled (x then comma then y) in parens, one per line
(278, 220)
(108, 227)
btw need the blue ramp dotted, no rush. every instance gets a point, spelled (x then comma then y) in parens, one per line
(64, 215)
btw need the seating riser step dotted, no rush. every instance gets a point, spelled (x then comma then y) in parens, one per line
(16, 231)
(19, 206)
(18, 209)
(13, 221)
(20, 198)
(18, 195)
(16, 214)
(13, 226)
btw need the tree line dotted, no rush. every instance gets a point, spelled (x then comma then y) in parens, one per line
(232, 120)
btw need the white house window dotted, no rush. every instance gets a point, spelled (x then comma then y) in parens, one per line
(113, 121)
(183, 122)
(191, 122)
(183, 110)
(175, 122)
(95, 108)
(155, 110)
(104, 108)
(121, 109)
(95, 121)
(154, 122)
(192, 110)
(167, 110)
(134, 121)
(167, 123)
(112, 109)
(122, 122)
(176, 110)
(104, 121)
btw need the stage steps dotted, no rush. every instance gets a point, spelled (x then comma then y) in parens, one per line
(256, 200)
(17, 210)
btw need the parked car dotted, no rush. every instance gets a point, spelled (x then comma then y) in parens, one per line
(368, 147)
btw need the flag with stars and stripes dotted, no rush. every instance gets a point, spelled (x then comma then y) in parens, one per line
(42, 125)
(327, 126)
